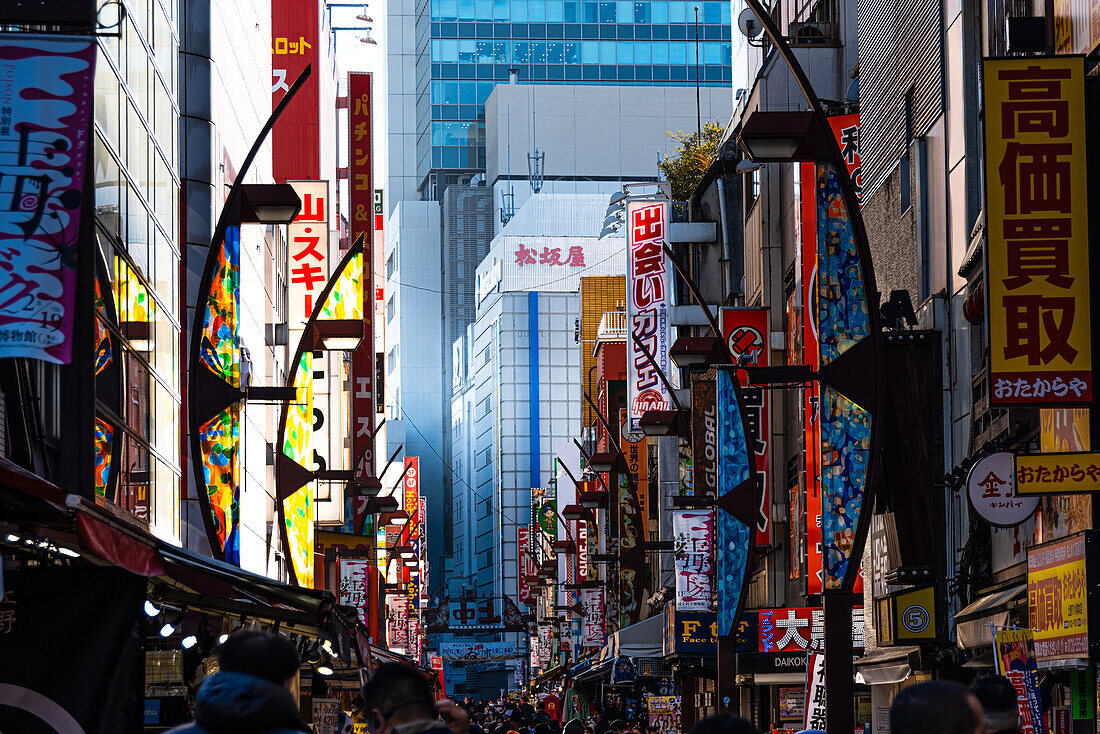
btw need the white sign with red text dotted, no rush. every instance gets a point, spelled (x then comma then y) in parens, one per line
(648, 300)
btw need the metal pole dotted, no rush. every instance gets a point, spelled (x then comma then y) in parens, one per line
(698, 105)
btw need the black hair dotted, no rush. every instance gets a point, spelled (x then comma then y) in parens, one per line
(937, 705)
(997, 696)
(400, 693)
(723, 722)
(273, 658)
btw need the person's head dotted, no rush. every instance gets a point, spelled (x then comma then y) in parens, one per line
(998, 699)
(724, 723)
(271, 657)
(618, 725)
(397, 694)
(936, 706)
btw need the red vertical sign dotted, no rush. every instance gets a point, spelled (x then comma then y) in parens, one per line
(746, 333)
(296, 138)
(361, 210)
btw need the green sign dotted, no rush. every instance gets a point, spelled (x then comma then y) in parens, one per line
(1084, 689)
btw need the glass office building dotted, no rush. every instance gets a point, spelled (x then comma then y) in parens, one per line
(474, 43)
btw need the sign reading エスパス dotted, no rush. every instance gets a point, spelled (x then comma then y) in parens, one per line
(1037, 231)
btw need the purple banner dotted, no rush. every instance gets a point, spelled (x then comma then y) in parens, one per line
(46, 87)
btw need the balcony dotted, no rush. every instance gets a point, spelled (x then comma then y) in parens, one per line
(612, 327)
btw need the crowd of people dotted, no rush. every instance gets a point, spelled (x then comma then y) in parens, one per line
(257, 671)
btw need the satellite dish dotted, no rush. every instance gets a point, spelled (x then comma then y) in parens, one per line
(748, 24)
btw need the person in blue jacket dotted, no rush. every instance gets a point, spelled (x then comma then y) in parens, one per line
(250, 694)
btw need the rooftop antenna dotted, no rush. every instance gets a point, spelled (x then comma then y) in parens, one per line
(535, 159)
(508, 199)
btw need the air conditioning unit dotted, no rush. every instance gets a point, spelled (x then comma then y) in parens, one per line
(812, 33)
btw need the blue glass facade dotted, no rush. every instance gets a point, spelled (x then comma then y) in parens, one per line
(473, 44)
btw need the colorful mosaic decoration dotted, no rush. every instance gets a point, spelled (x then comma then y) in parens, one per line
(298, 438)
(734, 536)
(220, 349)
(103, 353)
(843, 318)
(104, 438)
(345, 300)
(298, 515)
(219, 442)
(845, 451)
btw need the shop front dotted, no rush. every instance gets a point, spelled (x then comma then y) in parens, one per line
(691, 647)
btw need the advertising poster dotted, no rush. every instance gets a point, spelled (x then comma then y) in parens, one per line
(326, 715)
(693, 539)
(592, 623)
(46, 86)
(296, 140)
(664, 713)
(647, 304)
(1057, 599)
(792, 704)
(1037, 253)
(354, 590)
(1014, 655)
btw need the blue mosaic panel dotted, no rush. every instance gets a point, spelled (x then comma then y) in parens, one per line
(845, 451)
(733, 535)
(842, 315)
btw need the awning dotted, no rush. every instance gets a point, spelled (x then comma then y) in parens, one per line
(982, 661)
(885, 665)
(779, 679)
(552, 674)
(972, 623)
(646, 639)
(599, 669)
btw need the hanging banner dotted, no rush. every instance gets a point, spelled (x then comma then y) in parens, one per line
(1014, 656)
(647, 304)
(46, 86)
(397, 621)
(523, 566)
(361, 222)
(815, 692)
(546, 639)
(592, 623)
(354, 589)
(704, 437)
(746, 333)
(693, 538)
(633, 446)
(296, 140)
(54, 675)
(477, 651)
(734, 535)
(1037, 251)
(846, 130)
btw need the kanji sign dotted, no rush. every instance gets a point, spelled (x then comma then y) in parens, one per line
(1037, 231)
(693, 537)
(45, 123)
(647, 304)
(846, 130)
(1057, 596)
(991, 489)
(307, 253)
(746, 333)
(355, 586)
(1014, 658)
(573, 257)
(800, 628)
(1057, 473)
(523, 564)
(592, 623)
(815, 693)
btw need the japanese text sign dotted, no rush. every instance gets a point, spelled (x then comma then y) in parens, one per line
(1058, 473)
(746, 333)
(355, 586)
(361, 221)
(800, 628)
(693, 537)
(592, 623)
(1014, 658)
(523, 565)
(307, 253)
(992, 492)
(815, 693)
(846, 130)
(45, 120)
(296, 140)
(549, 256)
(1037, 231)
(647, 304)
(1057, 597)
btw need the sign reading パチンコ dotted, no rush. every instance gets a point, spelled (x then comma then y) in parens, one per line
(1037, 231)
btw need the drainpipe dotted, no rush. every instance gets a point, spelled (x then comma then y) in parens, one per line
(725, 234)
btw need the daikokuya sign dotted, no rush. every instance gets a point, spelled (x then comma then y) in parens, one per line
(45, 120)
(1037, 251)
(794, 629)
(647, 303)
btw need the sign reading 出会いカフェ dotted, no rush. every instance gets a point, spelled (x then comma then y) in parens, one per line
(1061, 587)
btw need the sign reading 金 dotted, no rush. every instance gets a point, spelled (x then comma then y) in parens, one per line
(647, 304)
(992, 492)
(1037, 223)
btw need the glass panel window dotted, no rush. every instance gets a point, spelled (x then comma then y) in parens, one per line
(643, 52)
(554, 52)
(572, 53)
(660, 53)
(137, 69)
(624, 11)
(590, 52)
(449, 10)
(712, 53)
(572, 11)
(625, 53)
(466, 51)
(483, 9)
(607, 53)
(107, 96)
(465, 9)
(712, 12)
(677, 53)
(659, 11)
(536, 11)
(448, 50)
(677, 11)
(555, 11)
(641, 12)
(519, 11)
(591, 12)
(500, 10)
(607, 12)
(538, 52)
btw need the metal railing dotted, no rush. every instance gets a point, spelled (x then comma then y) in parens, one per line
(612, 326)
